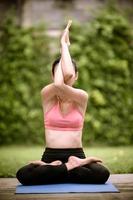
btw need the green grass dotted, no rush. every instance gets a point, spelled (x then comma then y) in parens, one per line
(117, 159)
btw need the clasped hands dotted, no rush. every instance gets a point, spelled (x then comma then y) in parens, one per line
(65, 34)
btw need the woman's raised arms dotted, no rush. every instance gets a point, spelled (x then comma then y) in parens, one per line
(64, 69)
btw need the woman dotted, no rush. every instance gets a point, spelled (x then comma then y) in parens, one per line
(64, 109)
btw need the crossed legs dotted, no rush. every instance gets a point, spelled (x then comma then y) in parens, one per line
(76, 170)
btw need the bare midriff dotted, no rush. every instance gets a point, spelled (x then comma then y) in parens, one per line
(63, 139)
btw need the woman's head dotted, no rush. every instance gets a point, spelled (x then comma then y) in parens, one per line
(56, 62)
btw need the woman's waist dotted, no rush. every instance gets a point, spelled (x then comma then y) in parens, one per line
(50, 133)
(63, 139)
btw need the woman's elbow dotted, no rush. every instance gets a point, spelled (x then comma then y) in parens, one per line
(68, 76)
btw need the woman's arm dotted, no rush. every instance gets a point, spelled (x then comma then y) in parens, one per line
(58, 87)
(66, 91)
(66, 62)
(58, 75)
(51, 90)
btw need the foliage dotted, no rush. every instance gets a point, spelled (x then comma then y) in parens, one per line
(103, 49)
(23, 72)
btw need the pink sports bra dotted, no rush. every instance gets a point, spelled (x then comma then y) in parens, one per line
(55, 120)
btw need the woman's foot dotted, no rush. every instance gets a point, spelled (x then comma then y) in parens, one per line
(39, 162)
(74, 161)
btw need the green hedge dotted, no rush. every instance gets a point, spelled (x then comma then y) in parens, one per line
(103, 49)
(23, 72)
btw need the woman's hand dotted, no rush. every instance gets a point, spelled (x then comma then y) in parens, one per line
(65, 35)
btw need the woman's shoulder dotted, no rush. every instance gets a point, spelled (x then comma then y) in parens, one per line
(48, 86)
(83, 92)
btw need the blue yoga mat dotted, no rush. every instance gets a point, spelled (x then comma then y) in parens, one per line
(66, 188)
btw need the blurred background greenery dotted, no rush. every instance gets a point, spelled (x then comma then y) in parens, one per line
(102, 47)
(103, 50)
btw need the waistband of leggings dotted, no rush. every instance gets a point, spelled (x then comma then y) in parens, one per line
(65, 150)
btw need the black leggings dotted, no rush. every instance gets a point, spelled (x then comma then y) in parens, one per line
(33, 174)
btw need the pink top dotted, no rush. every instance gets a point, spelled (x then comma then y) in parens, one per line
(55, 120)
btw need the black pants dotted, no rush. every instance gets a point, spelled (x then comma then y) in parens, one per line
(33, 174)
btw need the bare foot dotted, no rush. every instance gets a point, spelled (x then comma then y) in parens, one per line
(39, 162)
(74, 161)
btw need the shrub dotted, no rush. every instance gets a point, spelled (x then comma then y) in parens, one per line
(103, 49)
(23, 72)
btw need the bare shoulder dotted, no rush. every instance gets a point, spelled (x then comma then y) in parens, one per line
(83, 95)
(48, 93)
(46, 88)
(83, 92)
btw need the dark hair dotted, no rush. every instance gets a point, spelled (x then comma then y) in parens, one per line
(58, 60)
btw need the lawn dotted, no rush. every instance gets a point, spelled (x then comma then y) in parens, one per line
(117, 159)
